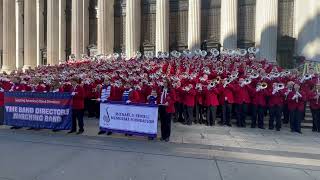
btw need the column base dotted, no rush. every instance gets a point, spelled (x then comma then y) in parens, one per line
(7, 69)
(26, 67)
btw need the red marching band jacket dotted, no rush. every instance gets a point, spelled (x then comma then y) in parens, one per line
(296, 104)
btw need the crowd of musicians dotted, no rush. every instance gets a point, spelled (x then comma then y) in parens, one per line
(189, 87)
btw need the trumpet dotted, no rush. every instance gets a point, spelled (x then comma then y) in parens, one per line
(254, 76)
(264, 85)
(280, 86)
(199, 87)
(211, 85)
(246, 82)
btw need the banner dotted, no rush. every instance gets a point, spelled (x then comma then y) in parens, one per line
(129, 118)
(38, 110)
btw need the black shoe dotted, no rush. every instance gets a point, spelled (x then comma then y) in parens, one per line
(55, 130)
(31, 128)
(101, 132)
(229, 125)
(72, 131)
(109, 133)
(261, 128)
(80, 131)
(271, 128)
(15, 127)
(299, 132)
(278, 129)
(161, 139)
(167, 140)
(150, 138)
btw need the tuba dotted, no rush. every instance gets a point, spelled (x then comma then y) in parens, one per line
(264, 85)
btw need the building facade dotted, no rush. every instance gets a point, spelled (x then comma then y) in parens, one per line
(36, 32)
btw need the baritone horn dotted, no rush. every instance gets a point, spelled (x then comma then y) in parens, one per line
(264, 85)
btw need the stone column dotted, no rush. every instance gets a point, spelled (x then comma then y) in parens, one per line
(9, 36)
(52, 32)
(86, 26)
(162, 26)
(30, 35)
(194, 24)
(40, 29)
(133, 23)
(62, 31)
(105, 26)
(1, 26)
(19, 33)
(77, 28)
(267, 28)
(229, 26)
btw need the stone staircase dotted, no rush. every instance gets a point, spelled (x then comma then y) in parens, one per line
(307, 122)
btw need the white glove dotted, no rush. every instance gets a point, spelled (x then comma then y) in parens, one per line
(73, 93)
(258, 89)
(98, 99)
(294, 97)
(128, 101)
(23, 91)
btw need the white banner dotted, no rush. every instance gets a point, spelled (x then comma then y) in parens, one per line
(131, 119)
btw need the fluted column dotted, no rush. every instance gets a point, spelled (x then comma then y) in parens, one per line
(40, 29)
(133, 23)
(105, 26)
(19, 33)
(162, 26)
(30, 36)
(194, 24)
(86, 26)
(62, 31)
(52, 32)
(267, 28)
(9, 36)
(77, 28)
(1, 25)
(229, 18)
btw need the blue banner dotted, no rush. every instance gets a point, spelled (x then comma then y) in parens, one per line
(38, 110)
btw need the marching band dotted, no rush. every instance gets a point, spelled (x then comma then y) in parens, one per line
(189, 87)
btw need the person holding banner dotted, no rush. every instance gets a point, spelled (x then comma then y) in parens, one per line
(105, 95)
(166, 108)
(1, 104)
(77, 106)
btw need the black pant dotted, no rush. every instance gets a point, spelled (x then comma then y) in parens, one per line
(315, 119)
(257, 112)
(165, 119)
(97, 109)
(241, 112)
(1, 115)
(199, 113)
(77, 114)
(296, 118)
(179, 112)
(275, 115)
(188, 114)
(211, 115)
(286, 114)
(226, 113)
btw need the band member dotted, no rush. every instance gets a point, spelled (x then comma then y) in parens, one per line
(188, 101)
(259, 104)
(296, 100)
(226, 99)
(242, 100)
(1, 103)
(77, 106)
(105, 96)
(166, 108)
(199, 104)
(286, 113)
(211, 102)
(315, 107)
(276, 102)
